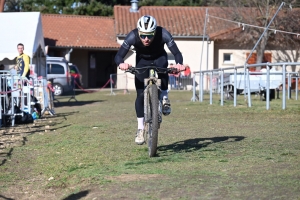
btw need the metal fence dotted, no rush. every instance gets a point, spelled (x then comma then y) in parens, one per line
(123, 82)
(286, 86)
(19, 95)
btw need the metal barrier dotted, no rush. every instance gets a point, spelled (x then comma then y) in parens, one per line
(16, 93)
(246, 78)
(180, 82)
(43, 92)
(119, 82)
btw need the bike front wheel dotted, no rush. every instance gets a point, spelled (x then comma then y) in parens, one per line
(153, 125)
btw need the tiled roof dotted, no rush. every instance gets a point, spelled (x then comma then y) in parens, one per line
(178, 20)
(79, 31)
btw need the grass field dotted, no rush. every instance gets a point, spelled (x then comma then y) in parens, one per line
(87, 151)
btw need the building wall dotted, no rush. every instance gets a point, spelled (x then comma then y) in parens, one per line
(79, 57)
(191, 52)
(239, 56)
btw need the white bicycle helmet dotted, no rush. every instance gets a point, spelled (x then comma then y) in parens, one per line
(146, 24)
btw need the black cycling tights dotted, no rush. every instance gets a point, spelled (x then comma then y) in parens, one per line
(139, 80)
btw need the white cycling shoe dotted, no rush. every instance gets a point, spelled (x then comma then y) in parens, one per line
(139, 138)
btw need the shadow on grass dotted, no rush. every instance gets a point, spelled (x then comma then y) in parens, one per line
(184, 146)
(43, 129)
(85, 91)
(5, 198)
(77, 196)
(74, 103)
(65, 114)
(197, 143)
(5, 155)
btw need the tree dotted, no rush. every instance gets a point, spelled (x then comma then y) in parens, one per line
(259, 13)
(173, 2)
(92, 7)
(88, 7)
(81, 7)
(2, 2)
(12, 5)
(291, 18)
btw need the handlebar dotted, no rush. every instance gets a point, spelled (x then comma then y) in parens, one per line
(162, 70)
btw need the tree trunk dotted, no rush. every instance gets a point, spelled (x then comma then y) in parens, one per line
(260, 49)
(2, 2)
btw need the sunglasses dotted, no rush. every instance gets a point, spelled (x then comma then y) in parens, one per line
(148, 36)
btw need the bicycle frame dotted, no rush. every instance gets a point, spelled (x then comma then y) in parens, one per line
(148, 82)
(152, 79)
(152, 105)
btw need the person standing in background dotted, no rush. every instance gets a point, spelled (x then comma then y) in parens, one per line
(22, 62)
(187, 72)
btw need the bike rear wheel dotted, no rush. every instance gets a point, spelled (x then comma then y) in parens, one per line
(153, 124)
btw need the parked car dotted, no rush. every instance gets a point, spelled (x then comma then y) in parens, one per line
(59, 73)
(75, 73)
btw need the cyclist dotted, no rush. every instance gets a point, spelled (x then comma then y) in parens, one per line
(148, 39)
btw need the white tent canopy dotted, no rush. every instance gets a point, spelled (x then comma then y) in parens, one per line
(25, 28)
(20, 27)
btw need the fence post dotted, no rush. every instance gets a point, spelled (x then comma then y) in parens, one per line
(234, 88)
(268, 88)
(126, 84)
(210, 87)
(296, 87)
(222, 88)
(248, 87)
(111, 85)
(201, 86)
(194, 89)
(283, 87)
(289, 86)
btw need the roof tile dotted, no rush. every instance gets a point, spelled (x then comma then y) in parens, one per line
(79, 31)
(178, 20)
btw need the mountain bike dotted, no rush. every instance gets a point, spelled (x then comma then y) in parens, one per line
(152, 103)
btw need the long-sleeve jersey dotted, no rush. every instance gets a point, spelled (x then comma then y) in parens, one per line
(23, 65)
(154, 50)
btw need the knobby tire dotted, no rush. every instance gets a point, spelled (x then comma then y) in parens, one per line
(153, 125)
